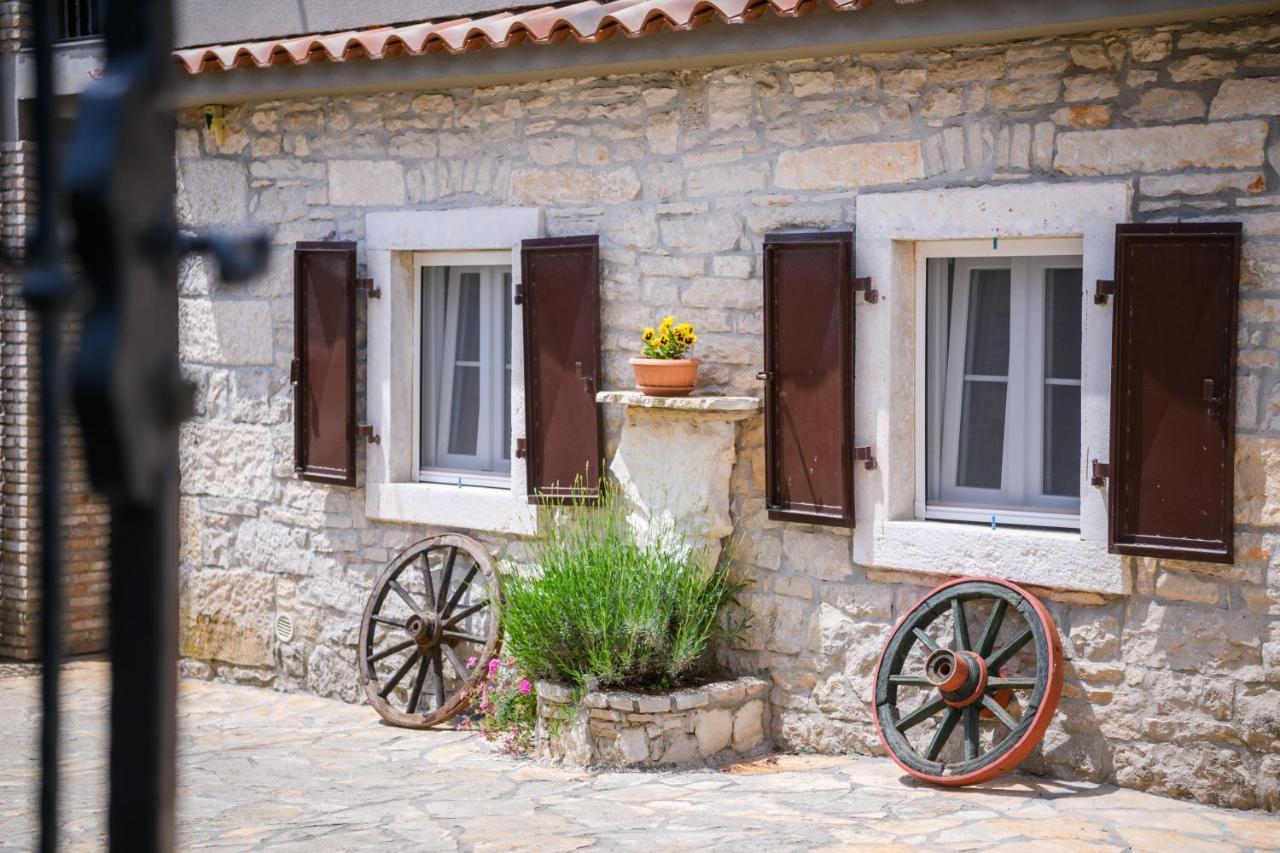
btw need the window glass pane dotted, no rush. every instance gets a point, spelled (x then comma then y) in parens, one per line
(981, 451)
(1062, 440)
(468, 344)
(1062, 324)
(464, 416)
(987, 347)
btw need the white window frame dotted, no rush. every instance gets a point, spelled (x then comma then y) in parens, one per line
(891, 535)
(1027, 260)
(393, 491)
(493, 301)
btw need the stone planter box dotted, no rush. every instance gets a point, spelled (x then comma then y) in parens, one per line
(716, 723)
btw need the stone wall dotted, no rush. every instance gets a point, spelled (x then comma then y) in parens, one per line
(1171, 688)
(709, 725)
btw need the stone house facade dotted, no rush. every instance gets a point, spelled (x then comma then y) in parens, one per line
(1173, 665)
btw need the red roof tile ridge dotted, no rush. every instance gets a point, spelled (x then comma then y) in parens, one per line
(587, 21)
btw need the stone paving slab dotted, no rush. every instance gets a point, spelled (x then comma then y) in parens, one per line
(261, 770)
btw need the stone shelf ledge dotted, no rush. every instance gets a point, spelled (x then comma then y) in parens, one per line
(724, 406)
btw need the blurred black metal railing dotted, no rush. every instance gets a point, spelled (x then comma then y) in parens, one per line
(129, 395)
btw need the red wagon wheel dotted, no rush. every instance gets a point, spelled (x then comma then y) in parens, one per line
(954, 709)
(429, 630)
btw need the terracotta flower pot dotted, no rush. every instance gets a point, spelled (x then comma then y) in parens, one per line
(665, 377)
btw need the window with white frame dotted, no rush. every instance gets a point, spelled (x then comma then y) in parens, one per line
(464, 368)
(1002, 389)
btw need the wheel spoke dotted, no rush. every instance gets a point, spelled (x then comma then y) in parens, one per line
(994, 621)
(466, 638)
(465, 612)
(399, 674)
(455, 661)
(960, 624)
(446, 577)
(1008, 650)
(920, 714)
(416, 693)
(377, 617)
(439, 667)
(426, 578)
(1010, 683)
(389, 651)
(909, 681)
(926, 639)
(404, 596)
(1000, 713)
(462, 588)
(971, 744)
(940, 736)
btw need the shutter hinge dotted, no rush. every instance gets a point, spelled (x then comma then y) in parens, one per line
(1105, 288)
(519, 297)
(869, 293)
(1100, 473)
(295, 371)
(367, 431)
(366, 284)
(522, 448)
(863, 455)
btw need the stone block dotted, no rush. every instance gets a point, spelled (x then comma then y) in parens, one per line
(714, 730)
(1180, 587)
(573, 186)
(1200, 67)
(1151, 48)
(224, 332)
(1226, 145)
(850, 166)
(653, 704)
(228, 616)
(366, 182)
(633, 744)
(748, 726)
(1258, 96)
(212, 192)
(1157, 105)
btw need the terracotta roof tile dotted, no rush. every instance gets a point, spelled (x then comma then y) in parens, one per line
(588, 22)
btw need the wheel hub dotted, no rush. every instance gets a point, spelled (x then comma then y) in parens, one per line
(959, 675)
(424, 629)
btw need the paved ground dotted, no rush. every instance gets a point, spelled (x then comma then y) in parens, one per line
(263, 770)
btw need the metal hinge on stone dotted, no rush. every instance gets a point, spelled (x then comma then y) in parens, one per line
(869, 293)
(366, 284)
(1105, 288)
(519, 297)
(367, 431)
(1100, 473)
(863, 455)
(522, 449)
(295, 371)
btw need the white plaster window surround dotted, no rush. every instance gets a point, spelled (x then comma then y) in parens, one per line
(393, 492)
(889, 397)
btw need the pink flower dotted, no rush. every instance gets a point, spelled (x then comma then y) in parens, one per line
(525, 687)
(494, 663)
(471, 662)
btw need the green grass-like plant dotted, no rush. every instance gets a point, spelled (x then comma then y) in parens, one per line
(604, 606)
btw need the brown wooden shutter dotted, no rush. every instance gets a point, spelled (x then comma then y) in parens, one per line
(808, 360)
(1173, 391)
(324, 362)
(560, 291)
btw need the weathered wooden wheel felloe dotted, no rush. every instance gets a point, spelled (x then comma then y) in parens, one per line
(953, 708)
(429, 631)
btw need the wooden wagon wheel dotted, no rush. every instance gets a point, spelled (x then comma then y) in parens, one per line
(429, 631)
(954, 709)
